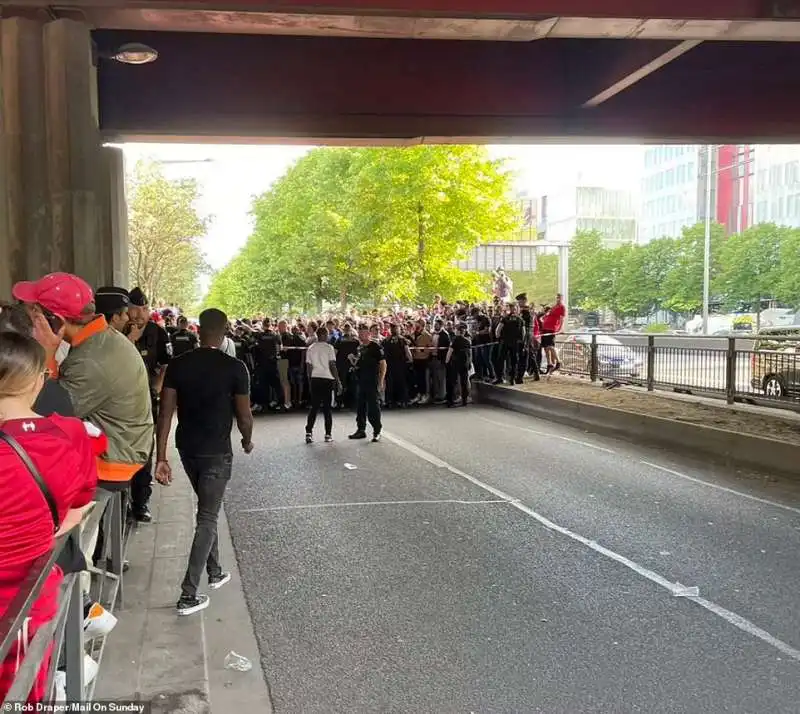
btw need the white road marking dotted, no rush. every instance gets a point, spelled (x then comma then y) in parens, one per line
(548, 434)
(369, 503)
(732, 491)
(674, 588)
(721, 488)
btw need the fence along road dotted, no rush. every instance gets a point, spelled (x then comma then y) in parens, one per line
(722, 367)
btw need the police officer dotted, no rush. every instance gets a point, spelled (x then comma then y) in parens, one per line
(183, 339)
(154, 346)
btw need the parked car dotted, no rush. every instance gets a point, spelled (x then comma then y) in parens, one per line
(614, 359)
(775, 364)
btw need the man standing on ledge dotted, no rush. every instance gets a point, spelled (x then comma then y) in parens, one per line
(208, 388)
(371, 368)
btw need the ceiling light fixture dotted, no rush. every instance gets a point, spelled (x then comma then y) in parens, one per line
(135, 53)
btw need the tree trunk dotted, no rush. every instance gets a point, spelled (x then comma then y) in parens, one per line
(343, 299)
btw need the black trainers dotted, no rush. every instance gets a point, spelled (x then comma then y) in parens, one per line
(215, 582)
(190, 605)
(142, 515)
(309, 439)
(358, 435)
(328, 439)
(376, 437)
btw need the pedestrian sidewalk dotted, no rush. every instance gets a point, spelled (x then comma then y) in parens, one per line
(177, 662)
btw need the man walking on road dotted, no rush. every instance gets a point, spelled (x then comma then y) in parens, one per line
(208, 388)
(371, 369)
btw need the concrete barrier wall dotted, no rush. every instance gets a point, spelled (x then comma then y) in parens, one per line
(728, 447)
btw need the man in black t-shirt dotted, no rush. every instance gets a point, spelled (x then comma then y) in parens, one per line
(457, 361)
(183, 339)
(154, 346)
(510, 333)
(208, 388)
(370, 367)
(346, 347)
(267, 351)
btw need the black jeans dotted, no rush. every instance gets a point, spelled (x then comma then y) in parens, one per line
(457, 372)
(368, 407)
(507, 359)
(397, 383)
(421, 384)
(321, 397)
(209, 476)
(142, 481)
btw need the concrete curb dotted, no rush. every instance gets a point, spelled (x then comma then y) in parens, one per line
(733, 448)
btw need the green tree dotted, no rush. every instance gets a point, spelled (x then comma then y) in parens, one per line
(164, 231)
(788, 282)
(588, 285)
(750, 264)
(541, 285)
(683, 282)
(364, 224)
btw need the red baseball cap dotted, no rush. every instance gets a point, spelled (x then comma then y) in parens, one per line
(63, 294)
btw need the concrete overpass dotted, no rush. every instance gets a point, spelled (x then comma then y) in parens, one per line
(348, 71)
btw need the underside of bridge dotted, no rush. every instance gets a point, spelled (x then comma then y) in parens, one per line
(353, 71)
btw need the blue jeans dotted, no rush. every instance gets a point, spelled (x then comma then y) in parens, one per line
(209, 476)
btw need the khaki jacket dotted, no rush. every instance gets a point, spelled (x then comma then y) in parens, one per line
(107, 382)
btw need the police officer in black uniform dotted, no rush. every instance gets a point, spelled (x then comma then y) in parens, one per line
(154, 346)
(182, 338)
(370, 365)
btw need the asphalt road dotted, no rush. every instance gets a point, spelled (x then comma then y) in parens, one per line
(482, 561)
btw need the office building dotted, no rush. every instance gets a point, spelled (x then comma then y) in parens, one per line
(611, 212)
(674, 187)
(777, 185)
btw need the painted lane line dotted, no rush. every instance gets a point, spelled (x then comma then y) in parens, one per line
(700, 481)
(721, 488)
(548, 434)
(675, 589)
(369, 503)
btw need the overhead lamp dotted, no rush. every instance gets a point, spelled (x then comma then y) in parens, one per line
(134, 53)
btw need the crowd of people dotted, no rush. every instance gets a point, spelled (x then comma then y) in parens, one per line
(90, 381)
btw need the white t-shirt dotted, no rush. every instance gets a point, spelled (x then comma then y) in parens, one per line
(319, 356)
(228, 347)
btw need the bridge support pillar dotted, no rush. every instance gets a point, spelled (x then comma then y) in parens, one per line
(59, 209)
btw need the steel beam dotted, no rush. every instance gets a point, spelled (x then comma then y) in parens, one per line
(643, 71)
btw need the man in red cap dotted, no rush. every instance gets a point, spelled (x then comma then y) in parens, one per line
(102, 371)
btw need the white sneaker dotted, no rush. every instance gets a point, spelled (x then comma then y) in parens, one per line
(97, 621)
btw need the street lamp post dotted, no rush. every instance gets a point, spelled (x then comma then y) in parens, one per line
(707, 243)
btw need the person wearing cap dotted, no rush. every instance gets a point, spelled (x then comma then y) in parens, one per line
(113, 303)
(62, 306)
(153, 344)
(524, 356)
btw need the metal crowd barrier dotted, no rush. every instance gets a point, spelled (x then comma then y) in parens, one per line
(760, 369)
(65, 630)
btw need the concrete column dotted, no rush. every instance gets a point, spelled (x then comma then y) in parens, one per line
(563, 273)
(115, 223)
(76, 161)
(25, 217)
(51, 166)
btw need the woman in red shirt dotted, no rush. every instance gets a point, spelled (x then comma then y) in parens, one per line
(64, 454)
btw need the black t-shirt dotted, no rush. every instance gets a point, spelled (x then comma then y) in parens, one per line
(461, 347)
(53, 399)
(345, 347)
(369, 358)
(154, 347)
(267, 348)
(513, 329)
(295, 356)
(206, 381)
(183, 341)
(395, 349)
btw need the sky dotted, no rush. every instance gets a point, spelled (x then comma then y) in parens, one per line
(230, 176)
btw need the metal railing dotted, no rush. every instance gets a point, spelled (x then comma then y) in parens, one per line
(65, 630)
(760, 369)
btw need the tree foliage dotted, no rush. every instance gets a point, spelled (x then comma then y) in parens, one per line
(351, 225)
(667, 274)
(164, 230)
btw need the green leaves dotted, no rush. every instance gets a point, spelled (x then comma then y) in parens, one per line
(163, 232)
(667, 273)
(352, 225)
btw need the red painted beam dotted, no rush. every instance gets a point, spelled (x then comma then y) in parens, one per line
(273, 88)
